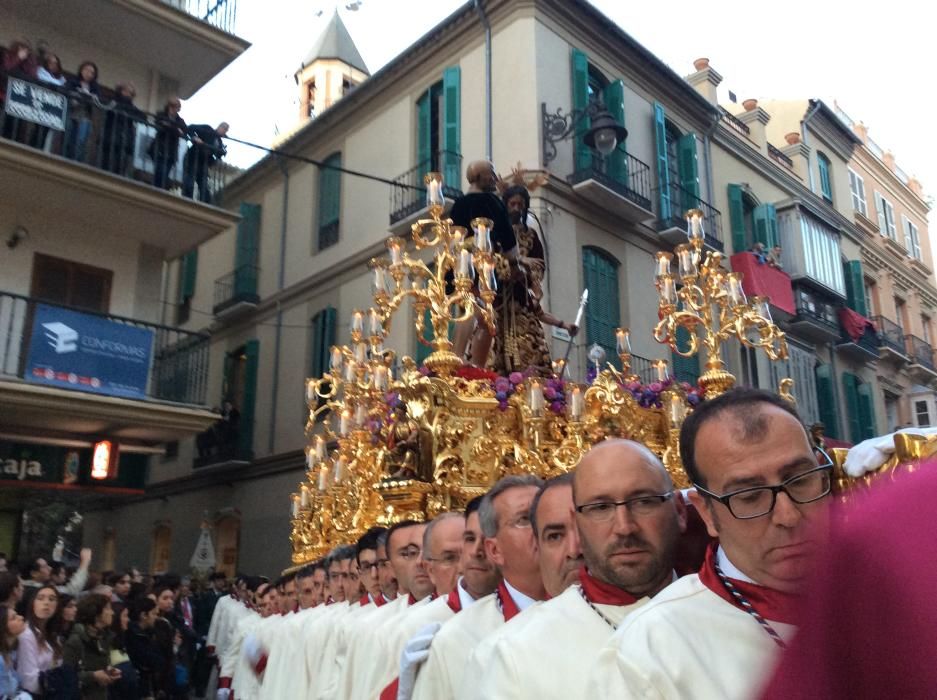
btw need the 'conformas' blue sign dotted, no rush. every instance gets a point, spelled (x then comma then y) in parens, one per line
(79, 351)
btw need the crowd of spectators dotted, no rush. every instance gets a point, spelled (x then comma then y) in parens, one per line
(104, 126)
(69, 633)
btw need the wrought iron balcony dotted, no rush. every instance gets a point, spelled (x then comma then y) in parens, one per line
(408, 196)
(891, 339)
(921, 353)
(236, 291)
(626, 191)
(221, 14)
(672, 226)
(814, 320)
(864, 348)
(178, 365)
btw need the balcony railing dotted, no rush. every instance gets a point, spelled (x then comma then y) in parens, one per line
(734, 123)
(779, 157)
(178, 370)
(681, 201)
(112, 136)
(633, 182)
(920, 352)
(408, 195)
(867, 342)
(237, 287)
(817, 313)
(890, 335)
(221, 14)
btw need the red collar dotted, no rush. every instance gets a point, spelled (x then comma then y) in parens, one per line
(454, 600)
(603, 593)
(365, 599)
(769, 603)
(380, 600)
(508, 607)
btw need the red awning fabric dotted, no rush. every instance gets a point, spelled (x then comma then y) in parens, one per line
(764, 280)
(854, 323)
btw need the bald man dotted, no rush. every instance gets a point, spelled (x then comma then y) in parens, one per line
(629, 520)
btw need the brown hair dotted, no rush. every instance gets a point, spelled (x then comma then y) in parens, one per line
(42, 630)
(8, 642)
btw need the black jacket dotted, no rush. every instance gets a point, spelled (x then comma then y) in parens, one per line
(169, 130)
(487, 205)
(146, 657)
(212, 147)
(87, 653)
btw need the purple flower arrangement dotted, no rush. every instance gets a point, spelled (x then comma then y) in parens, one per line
(648, 395)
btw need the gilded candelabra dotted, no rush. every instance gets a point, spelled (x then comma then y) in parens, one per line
(446, 286)
(705, 299)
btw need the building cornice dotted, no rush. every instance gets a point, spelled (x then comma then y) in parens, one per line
(889, 181)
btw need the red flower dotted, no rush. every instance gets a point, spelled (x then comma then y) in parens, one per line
(470, 373)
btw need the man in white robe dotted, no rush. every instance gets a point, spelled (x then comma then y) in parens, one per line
(760, 490)
(285, 674)
(629, 520)
(510, 544)
(228, 648)
(366, 554)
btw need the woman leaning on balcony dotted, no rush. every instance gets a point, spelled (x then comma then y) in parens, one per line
(84, 90)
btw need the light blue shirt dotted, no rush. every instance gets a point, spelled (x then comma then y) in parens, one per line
(9, 681)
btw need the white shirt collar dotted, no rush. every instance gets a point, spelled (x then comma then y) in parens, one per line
(465, 598)
(520, 600)
(730, 569)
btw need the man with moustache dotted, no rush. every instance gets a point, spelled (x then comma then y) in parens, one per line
(761, 491)
(509, 543)
(629, 520)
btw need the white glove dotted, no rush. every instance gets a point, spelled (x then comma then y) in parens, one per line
(413, 655)
(252, 650)
(223, 694)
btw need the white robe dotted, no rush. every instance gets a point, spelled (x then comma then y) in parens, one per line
(286, 662)
(232, 665)
(686, 643)
(319, 648)
(444, 670)
(354, 663)
(542, 652)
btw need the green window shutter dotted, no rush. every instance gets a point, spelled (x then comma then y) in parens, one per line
(424, 350)
(582, 157)
(766, 225)
(188, 272)
(851, 393)
(663, 172)
(826, 401)
(826, 186)
(855, 286)
(246, 435)
(867, 411)
(688, 168)
(452, 133)
(616, 163)
(330, 200)
(737, 219)
(323, 338)
(685, 369)
(248, 236)
(424, 133)
(600, 274)
(771, 216)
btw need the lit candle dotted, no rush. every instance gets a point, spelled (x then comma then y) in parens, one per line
(434, 190)
(378, 284)
(685, 262)
(323, 477)
(380, 378)
(623, 341)
(357, 322)
(465, 263)
(456, 236)
(344, 422)
(339, 470)
(677, 410)
(351, 369)
(576, 403)
(663, 263)
(761, 307)
(375, 323)
(661, 367)
(361, 415)
(482, 229)
(695, 224)
(668, 290)
(361, 352)
(295, 505)
(736, 294)
(310, 458)
(321, 450)
(536, 398)
(310, 390)
(335, 361)
(394, 247)
(304, 496)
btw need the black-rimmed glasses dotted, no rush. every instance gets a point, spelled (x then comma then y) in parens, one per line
(758, 501)
(638, 506)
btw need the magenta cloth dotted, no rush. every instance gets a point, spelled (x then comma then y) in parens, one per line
(854, 323)
(870, 623)
(764, 281)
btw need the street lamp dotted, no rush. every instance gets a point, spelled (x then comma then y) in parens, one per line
(604, 134)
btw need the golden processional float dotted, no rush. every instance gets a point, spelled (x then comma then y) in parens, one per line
(389, 440)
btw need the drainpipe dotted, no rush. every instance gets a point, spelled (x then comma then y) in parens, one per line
(281, 282)
(164, 300)
(488, 115)
(806, 142)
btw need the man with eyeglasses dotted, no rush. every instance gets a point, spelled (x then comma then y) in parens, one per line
(509, 543)
(366, 553)
(442, 549)
(628, 523)
(761, 491)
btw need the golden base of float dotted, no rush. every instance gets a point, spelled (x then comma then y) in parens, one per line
(383, 449)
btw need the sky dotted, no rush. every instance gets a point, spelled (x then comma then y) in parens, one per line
(870, 59)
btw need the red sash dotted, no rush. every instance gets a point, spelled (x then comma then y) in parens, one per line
(454, 600)
(770, 604)
(603, 593)
(508, 607)
(390, 692)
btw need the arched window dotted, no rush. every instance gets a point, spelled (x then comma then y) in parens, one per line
(227, 539)
(826, 181)
(161, 547)
(603, 315)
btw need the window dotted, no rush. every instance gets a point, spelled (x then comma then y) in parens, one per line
(590, 86)
(600, 277)
(188, 271)
(750, 221)
(240, 388)
(900, 313)
(330, 200)
(886, 217)
(912, 241)
(68, 283)
(821, 254)
(855, 287)
(922, 413)
(438, 139)
(927, 330)
(871, 296)
(321, 342)
(826, 400)
(860, 409)
(826, 183)
(857, 187)
(677, 167)
(749, 358)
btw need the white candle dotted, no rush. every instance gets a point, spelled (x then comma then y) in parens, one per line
(380, 378)
(465, 263)
(677, 409)
(310, 458)
(482, 229)
(304, 496)
(663, 263)
(339, 471)
(456, 236)
(357, 322)
(294, 508)
(662, 372)
(344, 422)
(394, 249)
(376, 325)
(351, 368)
(310, 390)
(378, 285)
(361, 352)
(696, 226)
(623, 341)
(576, 403)
(687, 267)
(736, 295)
(668, 291)
(323, 477)
(335, 361)
(321, 449)
(536, 398)
(361, 415)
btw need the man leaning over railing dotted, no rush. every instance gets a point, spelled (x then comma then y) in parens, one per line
(207, 148)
